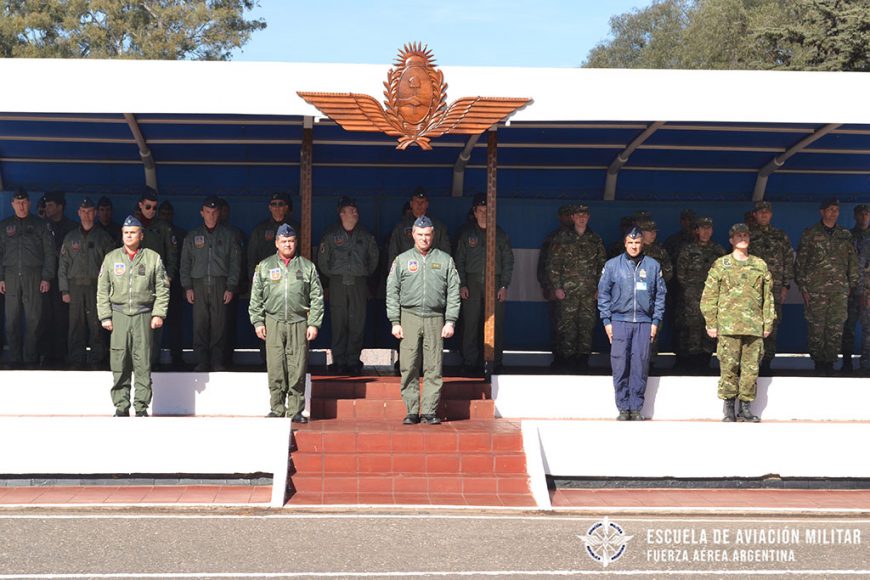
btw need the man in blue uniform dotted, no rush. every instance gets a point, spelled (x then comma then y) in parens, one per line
(631, 302)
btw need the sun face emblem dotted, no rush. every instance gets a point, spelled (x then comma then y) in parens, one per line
(415, 106)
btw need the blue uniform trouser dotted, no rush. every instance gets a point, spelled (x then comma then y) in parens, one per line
(629, 359)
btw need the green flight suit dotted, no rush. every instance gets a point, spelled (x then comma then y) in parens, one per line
(129, 293)
(737, 301)
(210, 265)
(158, 237)
(347, 259)
(826, 268)
(27, 257)
(471, 266)
(81, 257)
(286, 299)
(422, 295)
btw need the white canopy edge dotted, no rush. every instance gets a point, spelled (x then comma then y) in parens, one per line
(269, 88)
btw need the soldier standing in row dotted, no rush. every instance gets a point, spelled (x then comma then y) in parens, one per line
(132, 302)
(347, 256)
(651, 248)
(738, 308)
(422, 306)
(261, 244)
(286, 311)
(471, 265)
(158, 238)
(402, 240)
(861, 239)
(27, 268)
(81, 256)
(210, 270)
(774, 247)
(865, 316)
(576, 258)
(826, 269)
(104, 220)
(174, 323)
(565, 223)
(676, 242)
(55, 314)
(694, 346)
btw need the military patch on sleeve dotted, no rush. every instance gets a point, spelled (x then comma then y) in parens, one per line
(63, 250)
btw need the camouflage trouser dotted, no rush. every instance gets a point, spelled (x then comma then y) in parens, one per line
(578, 313)
(853, 314)
(826, 314)
(865, 331)
(739, 358)
(770, 341)
(692, 329)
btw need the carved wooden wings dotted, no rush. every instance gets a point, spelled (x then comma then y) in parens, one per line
(416, 104)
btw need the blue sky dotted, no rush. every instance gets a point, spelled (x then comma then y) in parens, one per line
(541, 33)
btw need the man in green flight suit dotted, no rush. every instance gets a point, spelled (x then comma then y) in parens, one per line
(738, 307)
(81, 257)
(422, 306)
(132, 300)
(286, 310)
(27, 267)
(471, 266)
(347, 256)
(210, 270)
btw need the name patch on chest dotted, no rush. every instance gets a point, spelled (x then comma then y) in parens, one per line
(120, 268)
(413, 265)
(275, 274)
(436, 266)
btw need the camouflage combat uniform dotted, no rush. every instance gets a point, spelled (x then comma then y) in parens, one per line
(826, 268)
(660, 255)
(693, 264)
(574, 265)
(738, 302)
(865, 316)
(774, 247)
(861, 239)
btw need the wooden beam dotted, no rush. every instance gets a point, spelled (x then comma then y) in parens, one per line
(489, 277)
(305, 165)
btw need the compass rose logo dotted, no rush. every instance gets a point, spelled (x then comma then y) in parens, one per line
(605, 541)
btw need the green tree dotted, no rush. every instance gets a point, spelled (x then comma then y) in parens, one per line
(147, 29)
(740, 34)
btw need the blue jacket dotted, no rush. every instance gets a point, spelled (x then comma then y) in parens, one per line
(631, 293)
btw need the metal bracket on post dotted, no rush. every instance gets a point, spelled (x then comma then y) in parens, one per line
(777, 162)
(622, 159)
(144, 151)
(459, 166)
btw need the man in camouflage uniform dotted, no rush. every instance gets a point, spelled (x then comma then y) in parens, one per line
(81, 256)
(676, 242)
(865, 318)
(576, 259)
(651, 248)
(861, 238)
(694, 346)
(158, 238)
(210, 270)
(347, 256)
(286, 311)
(132, 301)
(401, 239)
(27, 267)
(774, 247)
(471, 265)
(826, 270)
(422, 307)
(565, 223)
(739, 311)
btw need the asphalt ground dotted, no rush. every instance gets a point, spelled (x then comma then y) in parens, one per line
(221, 543)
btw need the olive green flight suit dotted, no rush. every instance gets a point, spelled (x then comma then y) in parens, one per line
(81, 256)
(347, 259)
(286, 299)
(210, 265)
(158, 237)
(129, 293)
(422, 293)
(27, 257)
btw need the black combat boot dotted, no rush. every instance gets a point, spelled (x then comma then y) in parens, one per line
(847, 364)
(728, 410)
(745, 415)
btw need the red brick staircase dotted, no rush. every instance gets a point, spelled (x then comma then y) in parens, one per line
(356, 450)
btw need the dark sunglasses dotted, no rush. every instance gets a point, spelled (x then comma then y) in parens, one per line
(147, 206)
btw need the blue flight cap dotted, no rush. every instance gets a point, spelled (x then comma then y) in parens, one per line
(211, 202)
(634, 233)
(132, 222)
(285, 231)
(87, 203)
(423, 222)
(20, 194)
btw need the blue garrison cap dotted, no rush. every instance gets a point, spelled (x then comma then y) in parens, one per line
(634, 233)
(211, 202)
(285, 231)
(132, 222)
(423, 222)
(87, 203)
(20, 194)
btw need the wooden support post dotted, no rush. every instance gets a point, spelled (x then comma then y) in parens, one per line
(489, 278)
(305, 185)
